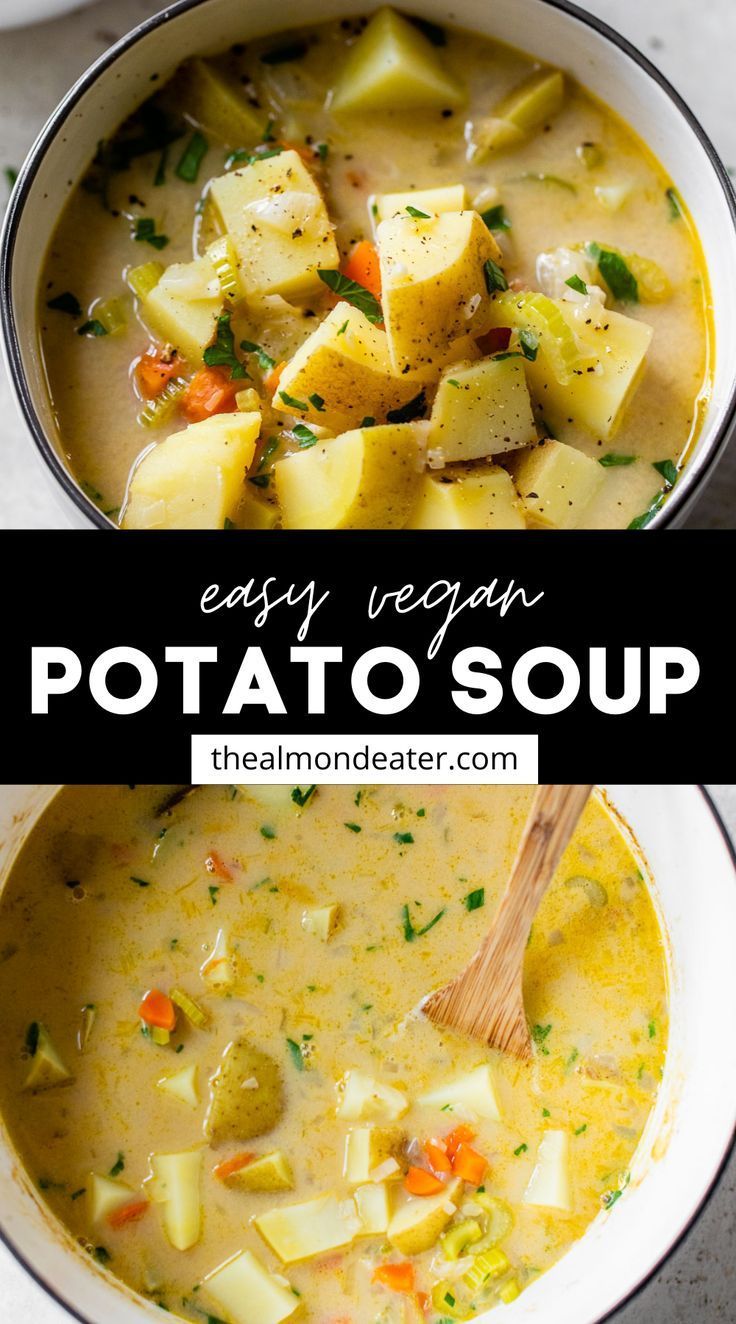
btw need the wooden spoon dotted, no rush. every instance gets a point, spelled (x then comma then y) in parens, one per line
(486, 999)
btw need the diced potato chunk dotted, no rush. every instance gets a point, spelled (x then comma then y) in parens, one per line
(345, 364)
(417, 1225)
(277, 219)
(183, 307)
(322, 921)
(373, 1203)
(272, 1172)
(597, 395)
(367, 1147)
(471, 1095)
(248, 1293)
(361, 1098)
(46, 1068)
(104, 1196)
(218, 971)
(550, 1185)
(392, 66)
(299, 1231)
(556, 484)
(246, 1095)
(526, 107)
(214, 100)
(433, 285)
(174, 1183)
(450, 197)
(481, 409)
(475, 499)
(182, 1085)
(366, 479)
(194, 479)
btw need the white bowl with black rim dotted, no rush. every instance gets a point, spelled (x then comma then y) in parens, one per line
(551, 30)
(678, 836)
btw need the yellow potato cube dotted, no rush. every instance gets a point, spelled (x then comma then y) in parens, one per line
(373, 1203)
(248, 1293)
(174, 1184)
(276, 218)
(393, 66)
(434, 285)
(345, 364)
(550, 1185)
(272, 1172)
(46, 1068)
(417, 1225)
(104, 1196)
(556, 483)
(473, 1094)
(214, 100)
(300, 1231)
(322, 921)
(450, 197)
(366, 479)
(183, 307)
(476, 499)
(481, 409)
(182, 1085)
(367, 1147)
(194, 479)
(363, 1097)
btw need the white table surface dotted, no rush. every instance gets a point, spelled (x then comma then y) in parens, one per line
(691, 42)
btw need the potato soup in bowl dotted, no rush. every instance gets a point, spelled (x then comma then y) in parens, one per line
(435, 285)
(217, 1077)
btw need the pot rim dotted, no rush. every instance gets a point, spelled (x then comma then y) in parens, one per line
(631, 1293)
(696, 471)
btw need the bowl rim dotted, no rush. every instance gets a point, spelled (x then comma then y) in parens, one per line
(632, 1293)
(697, 471)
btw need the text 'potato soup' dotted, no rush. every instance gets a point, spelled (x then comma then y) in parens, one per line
(215, 1071)
(434, 285)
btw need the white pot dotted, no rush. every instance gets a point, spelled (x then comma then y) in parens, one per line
(552, 30)
(686, 1143)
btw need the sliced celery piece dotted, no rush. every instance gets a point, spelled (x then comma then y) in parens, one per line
(540, 314)
(490, 1264)
(224, 259)
(190, 1008)
(144, 278)
(393, 66)
(157, 412)
(111, 313)
(527, 106)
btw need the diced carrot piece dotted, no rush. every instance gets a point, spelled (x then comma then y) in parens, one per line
(462, 1135)
(209, 392)
(157, 1009)
(215, 864)
(496, 340)
(423, 1301)
(226, 1169)
(399, 1277)
(437, 1157)
(272, 379)
(153, 373)
(469, 1164)
(363, 266)
(420, 1182)
(130, 1213)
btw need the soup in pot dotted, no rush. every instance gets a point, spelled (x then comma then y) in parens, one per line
(215, 1068)
(375, 274)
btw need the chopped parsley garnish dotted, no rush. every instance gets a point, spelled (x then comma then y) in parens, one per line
(322, 150)
(228, 524)
(66, 303)
(675, 204)
(222, 353)
(160, 176)
(318, 402)
(415, 408)
(358, 797)
(341, 330)
(610, 1197)
(529, 341)
(264, 360)
(93, 327)
(421, 813)
(291, 50)
(292, 402)
(118, 1165)
(353, 827)
(213, 891)
(577, 284)
(295, 1053)
(260, 480)
(404, 838)
(304, 436)
(495, 218)
(582, 1128)
(301, 797)
(475, 900)
(432, 31)
(249, 158)
(410, 932)
(668, 470)
(31, 1041)
(521, 1149)
(353, 293)
(145, 233)
(620, 280)
(646, 517)
(652, 1027)
(267, 831)
(102, 1255)
(539, 1034)
(77, 1195)
(495, 279)
(546, 1112)
(192, 157)
(269, 450)
(614, 460)
(11, 174)
(417, 214)
(141, 882)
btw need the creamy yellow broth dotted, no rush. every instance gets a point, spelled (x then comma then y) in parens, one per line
(112, 896)
(353, 157)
